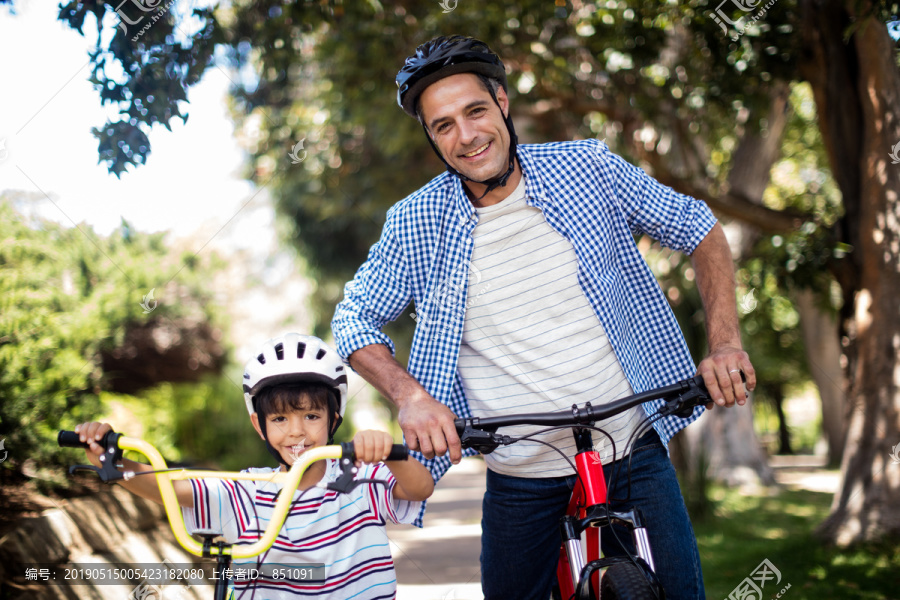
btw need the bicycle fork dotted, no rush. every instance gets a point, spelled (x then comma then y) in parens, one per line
(587, 513)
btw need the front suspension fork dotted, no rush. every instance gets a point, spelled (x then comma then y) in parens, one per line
(589, 503)
(572, 556)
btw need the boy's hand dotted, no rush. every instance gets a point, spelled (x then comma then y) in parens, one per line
(372, 446)
(90, 433)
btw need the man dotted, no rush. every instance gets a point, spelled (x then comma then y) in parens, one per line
(531, 295)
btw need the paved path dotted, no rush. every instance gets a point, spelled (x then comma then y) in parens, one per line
(806, 473)
(440, 561)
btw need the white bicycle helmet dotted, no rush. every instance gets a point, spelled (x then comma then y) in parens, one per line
(294, 358)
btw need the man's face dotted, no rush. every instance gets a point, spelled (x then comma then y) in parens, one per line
(467, 126)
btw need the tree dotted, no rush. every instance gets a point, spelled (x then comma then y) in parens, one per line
(676, 87)
(851, 64)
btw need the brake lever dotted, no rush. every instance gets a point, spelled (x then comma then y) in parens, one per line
(108, 473)
(683, 406)
(484, 442)
(344, 484)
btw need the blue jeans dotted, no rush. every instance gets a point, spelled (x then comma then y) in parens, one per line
(520, 527)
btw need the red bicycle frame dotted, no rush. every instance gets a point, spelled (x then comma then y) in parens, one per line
(586, 513)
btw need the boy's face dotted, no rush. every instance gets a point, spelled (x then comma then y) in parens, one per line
(293, 431)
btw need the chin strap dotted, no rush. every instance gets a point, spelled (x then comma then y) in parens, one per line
(494, 182)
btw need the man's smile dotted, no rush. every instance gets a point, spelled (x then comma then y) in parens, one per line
(477, 151)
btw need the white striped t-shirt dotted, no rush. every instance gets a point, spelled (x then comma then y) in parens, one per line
(532, 342)
(345, 532)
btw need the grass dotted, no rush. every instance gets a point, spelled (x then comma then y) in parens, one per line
(744, 530)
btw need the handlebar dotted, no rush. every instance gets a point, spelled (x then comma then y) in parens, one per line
(115, 443)
(680, 399)
(71, 439)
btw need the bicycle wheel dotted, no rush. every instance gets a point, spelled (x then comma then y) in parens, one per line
(624, 581)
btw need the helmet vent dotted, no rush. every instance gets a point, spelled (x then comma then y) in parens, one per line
(261, 359)
(301, 349)
(320, 354)
(279, 351)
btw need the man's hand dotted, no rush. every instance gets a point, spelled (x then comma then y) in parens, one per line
(426, 423)
(721, 372)
(428, 427)
(722, 369)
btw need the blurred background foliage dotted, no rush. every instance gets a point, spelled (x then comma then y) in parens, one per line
(664, 84)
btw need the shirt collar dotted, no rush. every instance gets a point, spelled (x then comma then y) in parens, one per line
(534, 183)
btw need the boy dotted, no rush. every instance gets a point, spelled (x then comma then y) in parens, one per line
(296, 392)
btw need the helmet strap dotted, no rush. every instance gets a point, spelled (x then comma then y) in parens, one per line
(494, 182)
(333, 427)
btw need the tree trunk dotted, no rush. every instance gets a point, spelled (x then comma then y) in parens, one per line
(860, 130)
(784, 434)
(731, 447)
(752, 162)
(823, 353)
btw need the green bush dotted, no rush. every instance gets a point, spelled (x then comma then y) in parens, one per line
(66, 295)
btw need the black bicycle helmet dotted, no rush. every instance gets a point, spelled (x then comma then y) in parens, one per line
(441, 57)
(445, 56)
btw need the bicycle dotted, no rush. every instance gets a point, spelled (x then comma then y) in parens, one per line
(625, 578)
(115, 443)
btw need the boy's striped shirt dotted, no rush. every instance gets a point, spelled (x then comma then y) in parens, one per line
(345, 532)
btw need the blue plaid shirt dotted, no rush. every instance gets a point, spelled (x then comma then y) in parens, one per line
(589, 195)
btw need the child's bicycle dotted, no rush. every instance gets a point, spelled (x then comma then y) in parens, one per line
(630, 577)
(116, 443)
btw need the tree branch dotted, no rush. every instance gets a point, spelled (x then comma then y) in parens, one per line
(724, 202)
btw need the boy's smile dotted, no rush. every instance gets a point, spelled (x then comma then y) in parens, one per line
(297, 449)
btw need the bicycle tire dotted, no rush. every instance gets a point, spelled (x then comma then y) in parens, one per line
(624, 581)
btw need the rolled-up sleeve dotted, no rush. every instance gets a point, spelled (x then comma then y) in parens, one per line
(377, 295)
(677, 221)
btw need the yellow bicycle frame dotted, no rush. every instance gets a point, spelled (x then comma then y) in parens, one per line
(289, 479)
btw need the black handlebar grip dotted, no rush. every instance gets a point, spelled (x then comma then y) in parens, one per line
(460, 426)
(398, 452)
(69, 439)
